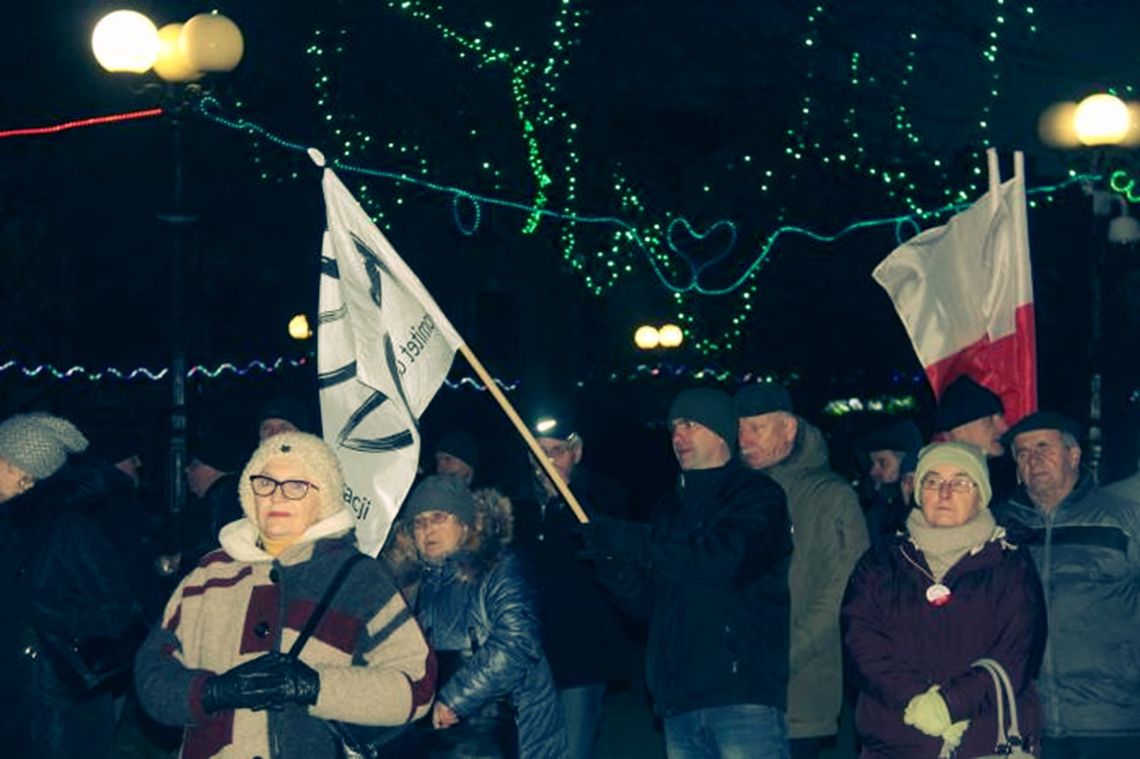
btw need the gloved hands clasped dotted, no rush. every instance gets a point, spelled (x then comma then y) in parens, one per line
(269, 681)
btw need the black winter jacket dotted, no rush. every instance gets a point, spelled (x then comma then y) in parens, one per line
(713, 581)
(58, 574)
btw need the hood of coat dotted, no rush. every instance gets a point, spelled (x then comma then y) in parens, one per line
(492, 531)
(240, 539)
(808, 452)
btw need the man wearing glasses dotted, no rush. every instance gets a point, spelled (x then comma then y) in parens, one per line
(1086, 545)
(581, 627)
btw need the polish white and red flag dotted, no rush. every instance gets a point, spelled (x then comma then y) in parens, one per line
(964, 292)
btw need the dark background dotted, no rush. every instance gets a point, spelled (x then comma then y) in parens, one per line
(687, 103)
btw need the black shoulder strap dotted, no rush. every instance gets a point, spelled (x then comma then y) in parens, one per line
(323, 604)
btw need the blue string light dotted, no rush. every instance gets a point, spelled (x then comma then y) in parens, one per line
(208, 107)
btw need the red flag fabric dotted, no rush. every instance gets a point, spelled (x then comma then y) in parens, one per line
(964, 292)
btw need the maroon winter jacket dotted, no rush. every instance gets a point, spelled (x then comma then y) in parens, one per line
(897, 644)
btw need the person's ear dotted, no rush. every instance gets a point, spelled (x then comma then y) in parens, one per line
(577, 451)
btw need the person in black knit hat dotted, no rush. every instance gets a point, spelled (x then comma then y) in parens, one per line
(711, 576)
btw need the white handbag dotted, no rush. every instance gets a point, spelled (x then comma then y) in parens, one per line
(1009, 743)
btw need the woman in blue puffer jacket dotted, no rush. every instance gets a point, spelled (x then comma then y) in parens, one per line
(448, 552)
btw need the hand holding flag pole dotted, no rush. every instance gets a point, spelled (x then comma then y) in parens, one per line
(539, 454)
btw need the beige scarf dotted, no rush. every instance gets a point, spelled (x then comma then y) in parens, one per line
(944, 547)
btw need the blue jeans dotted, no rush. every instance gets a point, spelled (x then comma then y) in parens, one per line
(582, 709)
(741, 731)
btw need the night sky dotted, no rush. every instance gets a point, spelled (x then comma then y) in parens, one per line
(728, 119)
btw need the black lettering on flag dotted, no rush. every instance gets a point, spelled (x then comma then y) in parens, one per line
(392, 442)
(329, 267)
(336, 376)
(372, 267)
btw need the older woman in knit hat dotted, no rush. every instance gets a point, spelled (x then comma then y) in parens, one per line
(922, 608)
(60, 582)
(496, 693)
(216, 666)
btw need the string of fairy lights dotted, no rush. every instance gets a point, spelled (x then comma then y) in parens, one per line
(548, 133)
(531, 74)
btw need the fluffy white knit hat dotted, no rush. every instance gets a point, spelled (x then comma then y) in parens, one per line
(315, 458)
(39, 443)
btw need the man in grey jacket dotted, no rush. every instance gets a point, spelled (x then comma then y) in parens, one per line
(829, 535)
(1086, 545)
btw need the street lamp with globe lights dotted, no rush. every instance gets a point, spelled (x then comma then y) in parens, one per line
(127, 42)
(1099, 128)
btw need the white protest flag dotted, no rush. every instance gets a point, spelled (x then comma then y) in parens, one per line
(383, 350)
(964, 291)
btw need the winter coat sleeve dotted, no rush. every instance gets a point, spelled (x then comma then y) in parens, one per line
(397, 680)
(84, 587)
(746, 535)
(512, 646)
(839, 538)
(869, 642)
(1020, 642)
(168, 689)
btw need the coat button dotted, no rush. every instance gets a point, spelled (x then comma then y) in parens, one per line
(261, 630)
(274, 575)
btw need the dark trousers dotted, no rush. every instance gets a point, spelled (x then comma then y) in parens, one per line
(805, 748)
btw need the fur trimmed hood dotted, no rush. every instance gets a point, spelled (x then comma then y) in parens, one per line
(492, 532)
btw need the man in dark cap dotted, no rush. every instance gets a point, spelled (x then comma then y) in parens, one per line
(971, 413)
(457, 455)
(1086, 545)
(282, 413)
(581, 627)
(830, 536)
(216, 460)
(710, 574)
(887, 493)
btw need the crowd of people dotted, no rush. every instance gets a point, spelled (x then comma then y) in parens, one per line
(762, 597)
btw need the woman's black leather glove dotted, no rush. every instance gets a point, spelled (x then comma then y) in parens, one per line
(268, 681)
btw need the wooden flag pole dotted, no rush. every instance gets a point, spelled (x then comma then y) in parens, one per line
(539, 454)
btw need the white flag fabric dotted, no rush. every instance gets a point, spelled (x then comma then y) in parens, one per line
(383, 350)
(964, 292)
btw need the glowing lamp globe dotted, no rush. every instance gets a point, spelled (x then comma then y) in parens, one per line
(299, 327)
(171, 65)
(125, 41)
(1102, 119)
(646, 337)
(211, 42)
(1056, 127)
(671, 336)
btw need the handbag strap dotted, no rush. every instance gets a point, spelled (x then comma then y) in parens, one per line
(323, 604)
(1003, 691)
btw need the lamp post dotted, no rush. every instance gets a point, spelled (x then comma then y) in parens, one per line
(1100, 124)
(126, 41)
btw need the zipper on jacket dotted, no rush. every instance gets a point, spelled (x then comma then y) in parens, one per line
(1054, 708)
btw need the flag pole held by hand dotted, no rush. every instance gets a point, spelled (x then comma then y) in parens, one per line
(539, 454)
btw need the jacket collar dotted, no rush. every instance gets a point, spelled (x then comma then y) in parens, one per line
(240, 539)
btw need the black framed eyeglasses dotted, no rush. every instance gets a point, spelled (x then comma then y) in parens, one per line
(293, 490)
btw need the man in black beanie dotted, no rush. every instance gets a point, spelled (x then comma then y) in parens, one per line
(457, 455)
(830, 536)
(711, 576)
(971, 413)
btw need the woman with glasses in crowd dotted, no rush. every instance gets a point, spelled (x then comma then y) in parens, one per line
(496, 694)
(217, 662)
(921, 608)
